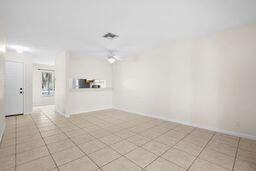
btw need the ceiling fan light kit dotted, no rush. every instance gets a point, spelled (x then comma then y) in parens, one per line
(112, 58)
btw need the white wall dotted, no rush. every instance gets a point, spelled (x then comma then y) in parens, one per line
(61, 83)
(208, 82)
(80, 101)
(2, 71)
(38, 98)
(28, 72)
(72, 101)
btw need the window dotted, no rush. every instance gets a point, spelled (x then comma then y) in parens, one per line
(48, 83)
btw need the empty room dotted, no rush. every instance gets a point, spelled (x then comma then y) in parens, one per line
(125, 85)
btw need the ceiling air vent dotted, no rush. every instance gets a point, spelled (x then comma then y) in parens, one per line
(110, 36)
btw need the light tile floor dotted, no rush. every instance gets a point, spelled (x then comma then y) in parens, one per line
(113, 140)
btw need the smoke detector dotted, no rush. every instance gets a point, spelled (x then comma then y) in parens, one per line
(110, 36)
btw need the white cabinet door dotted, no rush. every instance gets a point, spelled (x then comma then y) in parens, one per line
(13, 88)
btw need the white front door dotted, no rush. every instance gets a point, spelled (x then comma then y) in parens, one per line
(13, 88)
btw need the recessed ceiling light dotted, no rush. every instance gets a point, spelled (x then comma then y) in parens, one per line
(20, 50)
(110, 36)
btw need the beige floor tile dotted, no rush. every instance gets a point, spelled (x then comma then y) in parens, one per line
(121, 164)
(189, 147)
(123, 147)
(66, 156)
(92, 146)
(184, 128)
(55, 138)
(9, 169)
(178, 157)
(100, 133)
(196, 140)
(141, 157)
(8, 142)
(202, 165)
(91, 129)
(47, 128)
(82, 139)
(242, 165)
(31, 155)
(22, 147)
(124, 133)
(44, 124)
(138, 140)
(151, 134)
(110, 139)
(156, 147)
(163, 165)
(246, 140)
(247, 155)
(167, 140)
(248, 145)
(75, 132)
(7, 151)
(161, 129)
(68, 128)
(222, 148)
(81, 164)
(104, 156)
(226, 139)
(9, 135)
(41, 164)
(117, 129)
(60, 146)
(138, 129)
(28, 133)
(217, 158)
(175, 134)
(29, 138)
(114, 128)
(50, 132)
(7, 162)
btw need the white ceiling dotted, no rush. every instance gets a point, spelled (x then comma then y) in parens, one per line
(46, 27)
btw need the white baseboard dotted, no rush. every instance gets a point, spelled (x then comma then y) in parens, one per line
(238, 134)
(2, 129)
(87, 111)
(63, 114)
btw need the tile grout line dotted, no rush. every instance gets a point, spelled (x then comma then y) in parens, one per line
(170, 149)
(100, 141)
(228, 155)
(96, 150)
(74, 144)
(137, 146)
(233, 167)
(217, 163)
(135, 133)
(44, 142)
(113, 133)
(109, 146)
(201, 151)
